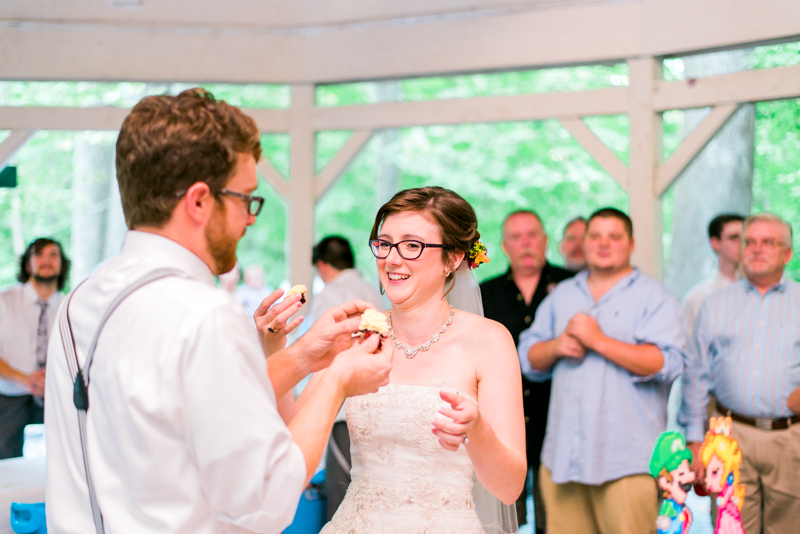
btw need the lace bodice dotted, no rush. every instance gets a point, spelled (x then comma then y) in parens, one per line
(403, 481)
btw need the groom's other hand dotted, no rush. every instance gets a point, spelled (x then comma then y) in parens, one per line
(364, 367)
(329, 335)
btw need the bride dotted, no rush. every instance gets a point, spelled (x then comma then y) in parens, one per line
(453, 407)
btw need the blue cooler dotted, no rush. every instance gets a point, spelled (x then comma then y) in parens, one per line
(310, 515)
(28, 518)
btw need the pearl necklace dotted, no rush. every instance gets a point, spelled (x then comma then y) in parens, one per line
(410, 353)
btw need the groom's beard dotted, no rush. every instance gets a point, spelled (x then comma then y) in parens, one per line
(46, 280)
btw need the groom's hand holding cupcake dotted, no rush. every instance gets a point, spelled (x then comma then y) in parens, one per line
(363, 368)
(328, 336)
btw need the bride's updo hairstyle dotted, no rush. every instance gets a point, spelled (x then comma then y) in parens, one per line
(454, 216)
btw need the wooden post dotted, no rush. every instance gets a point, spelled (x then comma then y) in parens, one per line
(645, 155)
(301, 186)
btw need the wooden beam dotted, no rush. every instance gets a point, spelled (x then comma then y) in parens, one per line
(270, 120)
(740, 87)
(109, 118)
(274, 178)
(513, 40)
(675, 27)
(321, 43)
(646, 133)
(46, 118)
(341, 161)
(12, 143)
(301, 186)
(471, 110)
(599, 151)
(695, 142)
(275, 14)
(147, 53)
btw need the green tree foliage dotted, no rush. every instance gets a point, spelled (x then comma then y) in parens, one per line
(497, 167)
(42, 203)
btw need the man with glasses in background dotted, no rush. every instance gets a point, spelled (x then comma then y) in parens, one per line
(27, 313)
(725, 238)
(571, 245)
(745, 351)
(182, 431)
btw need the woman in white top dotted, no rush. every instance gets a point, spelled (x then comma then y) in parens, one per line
(453, 407)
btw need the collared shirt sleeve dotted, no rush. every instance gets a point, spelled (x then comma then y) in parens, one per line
(663, 324)
(691, 308)
(542, 329)
(697, 379)
(251, 472)
(4, 332)
(19, 316)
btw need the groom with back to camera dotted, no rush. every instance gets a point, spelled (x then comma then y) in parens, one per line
(182, 431)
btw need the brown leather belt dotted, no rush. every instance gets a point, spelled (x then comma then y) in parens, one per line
(762, 423)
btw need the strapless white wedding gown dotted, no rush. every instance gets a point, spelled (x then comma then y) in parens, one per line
(403, 481)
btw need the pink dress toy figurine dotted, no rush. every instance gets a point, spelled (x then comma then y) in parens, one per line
(721, 457)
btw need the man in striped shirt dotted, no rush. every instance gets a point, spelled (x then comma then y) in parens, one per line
(746, 352)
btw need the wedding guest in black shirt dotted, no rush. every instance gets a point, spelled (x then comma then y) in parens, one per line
(512, 299)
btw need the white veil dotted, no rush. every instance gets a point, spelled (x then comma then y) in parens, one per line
(496, 517)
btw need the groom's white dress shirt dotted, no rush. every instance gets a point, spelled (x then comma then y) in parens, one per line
(183, 431)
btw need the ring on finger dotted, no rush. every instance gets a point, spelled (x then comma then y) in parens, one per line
(466, 439)
(272, 329)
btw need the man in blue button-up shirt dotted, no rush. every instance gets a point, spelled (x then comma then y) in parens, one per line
(611, 339)
(746, 352)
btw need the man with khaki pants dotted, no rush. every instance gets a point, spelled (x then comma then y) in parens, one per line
(611, 338)
(745, 351)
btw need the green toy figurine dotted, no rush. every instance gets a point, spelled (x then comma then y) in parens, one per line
(671, 467)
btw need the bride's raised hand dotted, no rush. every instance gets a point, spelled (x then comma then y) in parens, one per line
(273, 322)
(460, 419)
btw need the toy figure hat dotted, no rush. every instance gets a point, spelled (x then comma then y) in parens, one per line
(669, 452)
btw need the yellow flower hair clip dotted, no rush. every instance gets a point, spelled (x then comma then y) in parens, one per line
(477, 255)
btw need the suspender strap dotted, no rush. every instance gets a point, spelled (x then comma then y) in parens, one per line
(80, 376)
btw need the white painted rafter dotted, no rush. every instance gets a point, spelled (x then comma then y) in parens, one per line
(304, 42)
(598, 150)
(334, 170)
(273, 177)
(109, 118)
(748, 86)
(695, 142)
(12, 143)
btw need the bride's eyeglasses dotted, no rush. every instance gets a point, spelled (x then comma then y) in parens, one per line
(408, 249)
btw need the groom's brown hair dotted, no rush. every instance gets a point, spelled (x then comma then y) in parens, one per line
(168, 143)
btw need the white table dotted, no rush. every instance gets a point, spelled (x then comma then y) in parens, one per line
(21, 480)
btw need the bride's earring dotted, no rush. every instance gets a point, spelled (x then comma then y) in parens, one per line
(447, 273)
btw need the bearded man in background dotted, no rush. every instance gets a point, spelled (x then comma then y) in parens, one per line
(512, 299)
